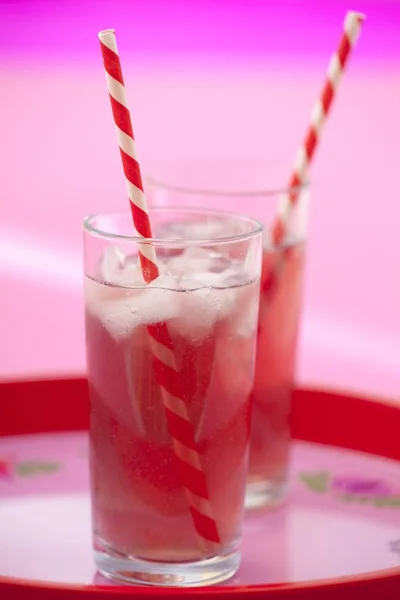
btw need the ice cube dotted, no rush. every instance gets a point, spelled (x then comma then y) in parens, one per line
(189, 262)
(199, 310)
(118, 317)
(201, 260)
(159, 301)
(203, 278)
(131, 273)
(232, 276)
(200, 264)
(96, 293)
(165, 281)
(227, 301)
(196, 253)
(123, 310)
(247, 311)
(112, 306)
(175, 265)
(188, 284)
(111, 264)
(131, 262)
(151, 305)
(219, 263)
(118, 269)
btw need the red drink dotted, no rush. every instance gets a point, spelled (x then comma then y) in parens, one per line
(142, 480)
(139, 503)
(273, 385)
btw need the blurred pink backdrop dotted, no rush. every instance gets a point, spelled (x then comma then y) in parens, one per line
(206, 80)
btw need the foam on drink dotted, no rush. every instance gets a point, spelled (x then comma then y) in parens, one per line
(194, 290)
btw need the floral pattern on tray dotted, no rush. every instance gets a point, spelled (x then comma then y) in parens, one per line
(10, 468)
(356, 489)
(59, 462)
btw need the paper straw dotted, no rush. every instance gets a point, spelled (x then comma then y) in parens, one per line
(320, 112)
(180, 427)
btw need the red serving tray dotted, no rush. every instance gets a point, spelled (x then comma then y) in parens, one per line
(330, 426)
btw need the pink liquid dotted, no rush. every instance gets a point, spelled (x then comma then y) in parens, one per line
(138, 500)
(275, 363)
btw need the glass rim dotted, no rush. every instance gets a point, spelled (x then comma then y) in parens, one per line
(258, 227)
(237, 193)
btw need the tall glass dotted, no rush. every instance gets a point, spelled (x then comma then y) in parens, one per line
(170, 367)
(258, 193)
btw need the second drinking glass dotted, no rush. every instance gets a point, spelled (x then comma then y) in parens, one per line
(249, 189)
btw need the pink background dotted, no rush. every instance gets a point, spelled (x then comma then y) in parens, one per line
(205, 79)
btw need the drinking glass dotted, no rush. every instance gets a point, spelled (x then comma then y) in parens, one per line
(171, 367)
(258, 191)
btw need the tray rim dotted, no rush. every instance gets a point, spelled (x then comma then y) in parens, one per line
(339, 584)
(304, 399)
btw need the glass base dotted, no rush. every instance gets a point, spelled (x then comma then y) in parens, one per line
(265, 494)
(131, 570)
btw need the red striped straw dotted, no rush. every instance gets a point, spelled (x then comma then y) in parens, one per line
(352, 27)
(180, 427)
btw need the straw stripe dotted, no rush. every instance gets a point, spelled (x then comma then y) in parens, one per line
(126, 143)
(148, 253)
(116, 90)
(149, 269)
(195, 481)
(317, 116)
(163, 353)
(132, 173)
(284, 208)
(169, 379)
(335, 69)
(300, 162)
(121, 116)
(200, 504)
(139, 212)
(205, 525)
(110, 54)
(352, 27)
(177, 405)
(160, 334)
(181, 429)
(188, 455)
